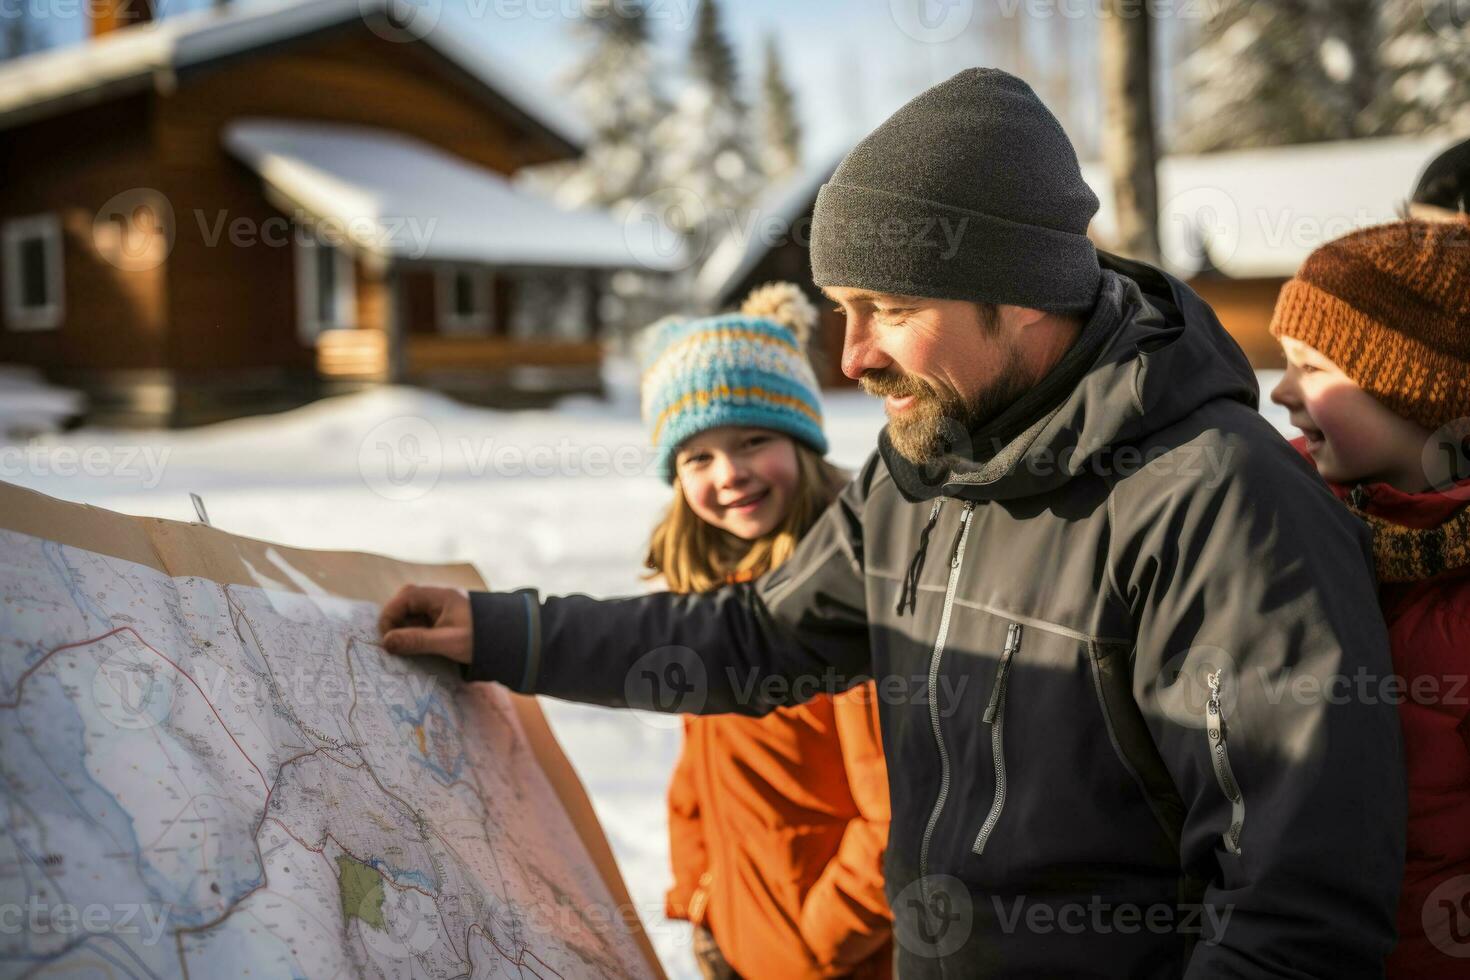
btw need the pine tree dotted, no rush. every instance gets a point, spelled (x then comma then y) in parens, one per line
(1426, 67)
(706, 144)
(780, 130)
(1269, 72)
(617, 92)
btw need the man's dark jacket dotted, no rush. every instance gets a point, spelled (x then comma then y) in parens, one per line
(1128, 664)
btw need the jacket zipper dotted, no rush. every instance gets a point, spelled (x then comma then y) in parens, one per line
(1220, 757)
(994, 716)
(949, 593)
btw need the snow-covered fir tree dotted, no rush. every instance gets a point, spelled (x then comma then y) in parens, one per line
(616, 90)
(1269, 72)
(707, 148)
(1425, 59)
(780, 130)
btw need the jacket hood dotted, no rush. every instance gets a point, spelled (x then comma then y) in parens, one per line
(1150, 353)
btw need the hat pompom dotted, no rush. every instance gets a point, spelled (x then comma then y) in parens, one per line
(786, 304)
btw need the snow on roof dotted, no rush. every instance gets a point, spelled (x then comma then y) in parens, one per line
(742, 248)
(393, 195)
(132, 57)
(1260, 212)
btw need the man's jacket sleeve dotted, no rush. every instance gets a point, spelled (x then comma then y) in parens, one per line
(1261, 589)
(750, 647)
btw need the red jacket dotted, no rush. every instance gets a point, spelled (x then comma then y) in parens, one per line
(1429, 632)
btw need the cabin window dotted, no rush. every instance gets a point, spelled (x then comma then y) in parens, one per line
(327, 289)
(464, 300)
(32, 263)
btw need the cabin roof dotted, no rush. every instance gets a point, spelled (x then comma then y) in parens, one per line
(389, 194)
(151, 55)
(1259, 213)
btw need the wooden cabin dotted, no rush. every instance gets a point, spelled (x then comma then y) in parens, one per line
(242, 209)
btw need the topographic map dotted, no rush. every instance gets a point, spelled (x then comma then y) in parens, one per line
(204, 777)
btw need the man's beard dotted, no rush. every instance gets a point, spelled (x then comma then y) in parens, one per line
(939, 422)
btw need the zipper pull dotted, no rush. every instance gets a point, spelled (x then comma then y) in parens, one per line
(954, 551)
(1013, 641)
(1214, 714)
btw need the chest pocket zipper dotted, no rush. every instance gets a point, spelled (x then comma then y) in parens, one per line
(994, 717)
(1220, 758)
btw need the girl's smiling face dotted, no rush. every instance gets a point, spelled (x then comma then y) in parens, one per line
(739, 478)
(1352, 436)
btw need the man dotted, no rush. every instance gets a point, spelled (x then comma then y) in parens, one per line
(1115, 621)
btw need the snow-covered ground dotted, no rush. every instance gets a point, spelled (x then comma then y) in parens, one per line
(560, 499)
(29, 406)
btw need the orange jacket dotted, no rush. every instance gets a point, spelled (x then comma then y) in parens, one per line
(777, 830)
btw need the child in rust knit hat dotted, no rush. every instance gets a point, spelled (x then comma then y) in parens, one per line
(1376, 331)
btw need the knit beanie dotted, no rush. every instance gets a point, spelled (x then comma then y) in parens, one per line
(971, 191)
(746, 368)
(1390, 306)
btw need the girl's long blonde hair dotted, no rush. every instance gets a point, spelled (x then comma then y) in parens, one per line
(695, 556)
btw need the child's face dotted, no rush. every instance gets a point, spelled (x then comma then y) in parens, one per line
(1352, 437)
(738, 478)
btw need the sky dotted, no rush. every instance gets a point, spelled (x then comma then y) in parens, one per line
(851, 62)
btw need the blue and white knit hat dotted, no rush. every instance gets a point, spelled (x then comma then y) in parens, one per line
(746, 368)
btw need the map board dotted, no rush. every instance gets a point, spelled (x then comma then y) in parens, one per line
(209, 767)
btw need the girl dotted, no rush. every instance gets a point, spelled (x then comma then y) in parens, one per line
(1376, 331)
(777, 824)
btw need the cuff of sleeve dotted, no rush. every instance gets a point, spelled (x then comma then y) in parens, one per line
(505, 639)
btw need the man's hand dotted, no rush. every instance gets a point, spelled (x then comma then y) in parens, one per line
(423, 619)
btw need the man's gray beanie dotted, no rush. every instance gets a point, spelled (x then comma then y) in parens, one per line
(970, 191)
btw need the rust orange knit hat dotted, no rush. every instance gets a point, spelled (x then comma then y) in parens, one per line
(1390, 306)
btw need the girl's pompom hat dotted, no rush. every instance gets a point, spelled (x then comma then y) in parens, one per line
(746, 368)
